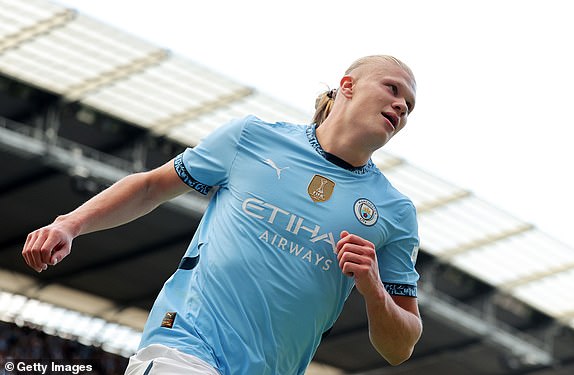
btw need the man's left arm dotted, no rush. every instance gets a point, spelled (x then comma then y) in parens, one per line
(394, 321)
(394, 325)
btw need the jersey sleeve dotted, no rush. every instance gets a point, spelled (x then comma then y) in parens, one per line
(208, 164)
(398, 258)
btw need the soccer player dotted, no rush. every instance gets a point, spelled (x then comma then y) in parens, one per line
(300, 217)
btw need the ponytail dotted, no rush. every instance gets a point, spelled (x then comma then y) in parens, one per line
(323, 105)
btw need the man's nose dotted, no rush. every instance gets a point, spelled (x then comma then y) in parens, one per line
(400, 105)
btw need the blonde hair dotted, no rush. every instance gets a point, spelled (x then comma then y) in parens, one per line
(323, 105)
(325, 100)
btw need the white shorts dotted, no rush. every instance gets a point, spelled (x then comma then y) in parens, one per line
(160, 360)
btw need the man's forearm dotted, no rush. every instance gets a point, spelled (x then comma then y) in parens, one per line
(131, 197)
(126, 200)
(393, 330)
(120, 203)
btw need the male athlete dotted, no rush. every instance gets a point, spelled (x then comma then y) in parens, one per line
(300, 217)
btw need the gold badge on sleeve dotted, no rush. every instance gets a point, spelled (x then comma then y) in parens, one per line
(320, 188)
(168, 319)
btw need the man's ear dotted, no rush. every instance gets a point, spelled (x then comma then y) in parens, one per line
(346, 86)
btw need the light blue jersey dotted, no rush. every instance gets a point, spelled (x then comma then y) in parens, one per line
(267, 283)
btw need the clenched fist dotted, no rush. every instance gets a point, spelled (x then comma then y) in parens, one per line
(47, 246)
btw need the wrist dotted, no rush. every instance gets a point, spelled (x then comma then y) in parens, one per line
(378, 296)
(68, 224)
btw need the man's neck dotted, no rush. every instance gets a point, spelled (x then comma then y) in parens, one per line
(334, 140)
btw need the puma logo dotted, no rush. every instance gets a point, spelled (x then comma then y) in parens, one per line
(274, 166)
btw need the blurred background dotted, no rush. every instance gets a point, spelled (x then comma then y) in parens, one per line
(93, 91)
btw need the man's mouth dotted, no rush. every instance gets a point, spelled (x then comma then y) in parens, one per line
(392, 119)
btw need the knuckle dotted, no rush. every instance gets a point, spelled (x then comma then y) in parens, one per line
(352, 237)
(347, 246)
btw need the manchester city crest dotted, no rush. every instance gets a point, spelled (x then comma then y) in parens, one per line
(366, 212)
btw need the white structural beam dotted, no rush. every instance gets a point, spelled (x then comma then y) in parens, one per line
(528, 349)
(71, 159)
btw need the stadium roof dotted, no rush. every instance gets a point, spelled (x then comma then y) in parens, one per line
(106, 70)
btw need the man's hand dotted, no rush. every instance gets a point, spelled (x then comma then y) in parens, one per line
(47, 246)
(357, 258)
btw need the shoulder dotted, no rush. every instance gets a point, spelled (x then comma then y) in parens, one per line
(279, 126)
(399, 214)
(405, 204)
(257, 129)
(402, 206)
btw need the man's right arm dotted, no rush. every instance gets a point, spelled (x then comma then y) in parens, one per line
(126, 200)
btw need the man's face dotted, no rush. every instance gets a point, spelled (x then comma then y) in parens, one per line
(382, 96)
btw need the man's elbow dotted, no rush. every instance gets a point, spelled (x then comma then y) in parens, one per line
(399, 349)
(398, 357)
(396, 354)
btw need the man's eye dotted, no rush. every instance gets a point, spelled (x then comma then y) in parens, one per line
(394, 89)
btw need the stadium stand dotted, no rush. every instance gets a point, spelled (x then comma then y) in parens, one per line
(28, 342)
(83, 104)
